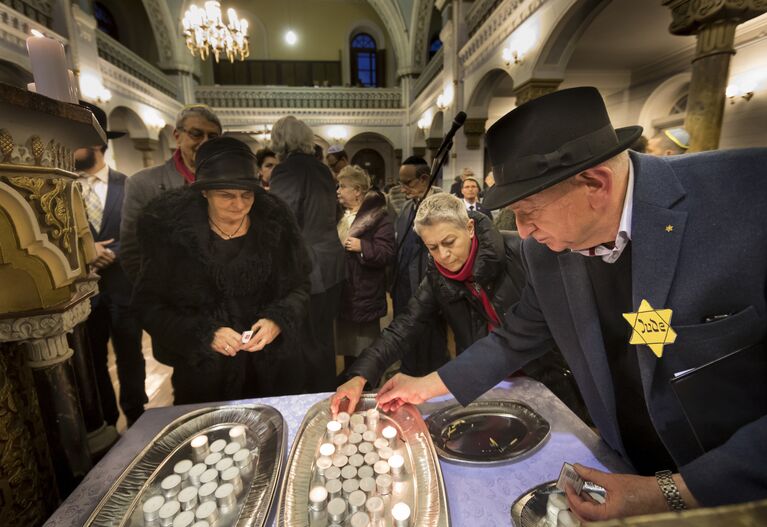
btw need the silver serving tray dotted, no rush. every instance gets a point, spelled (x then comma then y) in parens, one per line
(529, 510)
(266, 432)
(487, 432)
(425, 492)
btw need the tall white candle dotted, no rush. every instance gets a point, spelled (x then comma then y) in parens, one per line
(49, 66)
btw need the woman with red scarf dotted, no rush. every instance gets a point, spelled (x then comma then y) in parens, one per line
(474, 276)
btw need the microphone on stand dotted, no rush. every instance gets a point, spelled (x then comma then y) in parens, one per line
(460, 118)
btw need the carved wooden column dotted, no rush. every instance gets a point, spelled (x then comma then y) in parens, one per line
(714, 23)
(534, 88)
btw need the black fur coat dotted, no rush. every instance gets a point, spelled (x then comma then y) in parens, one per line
(185, 293)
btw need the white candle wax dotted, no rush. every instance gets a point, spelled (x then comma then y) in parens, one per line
(400, 512)
(49, 66)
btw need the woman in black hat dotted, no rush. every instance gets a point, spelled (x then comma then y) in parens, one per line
(220, 259)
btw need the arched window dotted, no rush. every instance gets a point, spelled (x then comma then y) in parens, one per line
(363, 58)
(105, 21)
(434, 45)
(680, 106)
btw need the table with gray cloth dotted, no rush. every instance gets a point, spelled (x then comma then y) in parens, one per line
(477, 496)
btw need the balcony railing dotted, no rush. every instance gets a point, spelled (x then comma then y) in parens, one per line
(40, 11)
(15, 27)
(303, 98)
(120, 56)
(431, 70)
(479, 12)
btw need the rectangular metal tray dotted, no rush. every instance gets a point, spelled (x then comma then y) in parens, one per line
(267, 435)
(423, 490)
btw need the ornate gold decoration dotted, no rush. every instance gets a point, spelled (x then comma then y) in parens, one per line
(53, 205)
(37, 148)
(6, 145)
(535, 88)
(689, 16)
(35, 152)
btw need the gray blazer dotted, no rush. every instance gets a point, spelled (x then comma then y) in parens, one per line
(140, 189)
(713, 261)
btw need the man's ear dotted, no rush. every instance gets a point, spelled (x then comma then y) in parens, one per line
(599, 183)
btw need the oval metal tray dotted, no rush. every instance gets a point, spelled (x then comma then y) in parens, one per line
(529, 510)
(426, 495)
(266, 432)
(487, 432)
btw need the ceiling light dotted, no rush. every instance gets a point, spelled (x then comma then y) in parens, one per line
(290, 37)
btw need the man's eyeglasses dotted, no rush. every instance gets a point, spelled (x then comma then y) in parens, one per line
(409, 183)
(198, 134)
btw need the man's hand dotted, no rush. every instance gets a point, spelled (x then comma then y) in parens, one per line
(104, 255)
(402, 389)
(264, 332)
(353, 245)
(351, 390)
(627, 495)
(226, 341)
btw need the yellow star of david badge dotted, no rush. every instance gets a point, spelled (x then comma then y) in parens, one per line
(651, 327)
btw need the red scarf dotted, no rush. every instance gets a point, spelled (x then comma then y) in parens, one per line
(182, 168)
(465, 275)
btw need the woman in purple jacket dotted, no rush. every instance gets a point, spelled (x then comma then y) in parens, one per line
(367, 234)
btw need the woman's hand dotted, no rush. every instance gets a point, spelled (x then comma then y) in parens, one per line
(351, 390)
(226, 341)
(264, 332)
(353, 245)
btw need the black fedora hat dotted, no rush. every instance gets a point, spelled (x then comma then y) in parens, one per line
(101, 117)
(225, 163)
(548, 140)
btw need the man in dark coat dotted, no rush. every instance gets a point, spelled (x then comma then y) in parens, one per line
(103, 191)
(306, 185)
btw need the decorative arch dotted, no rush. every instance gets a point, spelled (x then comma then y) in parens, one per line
(389, 12)
(167, 33)
(436, 129)
(419, 36)
(655, 112)
(479, 99)
(381, 145)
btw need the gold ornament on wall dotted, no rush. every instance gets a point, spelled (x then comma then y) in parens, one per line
(52, 204)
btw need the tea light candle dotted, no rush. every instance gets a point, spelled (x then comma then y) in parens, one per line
(218, 445)
(375, 507)
(357, 501)
(356, 460)
(224, 464)
(360, 428)
(339, 440)
(334, 487)
(213, 458)
(340, 460)
(381, 467)
(323, 463)
(231, 448)
(49, 66)
(355, 438)
(385, 453)
(356, 419)
(348, 472)
(195, 472)
(208, 512)
(333, 428)
(333, 473)
(318, 498)
(343, 418)
(242, 458)
(232, 475)
(368, 486)
(400, 512)
(182, 468)
(168, 512)
(337, 510)
(225, 498)
(371, 458)
(238, 434)
(397, 464)
(360, 519)
(151, 508)
(188, 498)
(327, 449)
(209, 476)
(200, 447)
(383, 484)
(365, 447)
(380, 443)
(171, 485)
(349, 450)
(369, 436)
(372, 419)
(390, 434)
(365, 471)
(184, 519)
(201, 523)
(349, 486)
(207, 492)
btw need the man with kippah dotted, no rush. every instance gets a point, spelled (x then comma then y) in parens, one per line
(636, 281)
(195, 124)
(669, 142)
(337, 159)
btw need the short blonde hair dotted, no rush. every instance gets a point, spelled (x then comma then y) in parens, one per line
(292, 135)
(441, 208)
(357, 176)
(467, 172)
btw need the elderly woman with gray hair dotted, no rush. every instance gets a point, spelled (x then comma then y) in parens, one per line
(367, 234)
(474, 276)
(307, 186)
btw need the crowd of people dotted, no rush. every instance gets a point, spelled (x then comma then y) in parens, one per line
(253, 271)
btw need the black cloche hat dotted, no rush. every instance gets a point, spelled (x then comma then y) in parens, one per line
(225, 163)
(548, 140)
(101, 117)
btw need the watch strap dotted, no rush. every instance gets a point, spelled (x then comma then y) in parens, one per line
(670, 491)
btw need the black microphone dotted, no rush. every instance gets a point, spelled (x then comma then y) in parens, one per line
(460, 118)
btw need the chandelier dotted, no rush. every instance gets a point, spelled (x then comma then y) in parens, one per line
(206, 33)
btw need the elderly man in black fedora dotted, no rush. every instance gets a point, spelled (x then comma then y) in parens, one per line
(225, 283)
(103, 191)
(637, 282)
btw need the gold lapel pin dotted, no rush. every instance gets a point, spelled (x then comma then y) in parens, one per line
(669, 228)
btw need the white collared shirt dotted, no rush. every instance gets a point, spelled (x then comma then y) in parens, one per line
(99, 182)
(611, 255)
(467, 204)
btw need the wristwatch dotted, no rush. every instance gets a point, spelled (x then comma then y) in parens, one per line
(670, 491)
